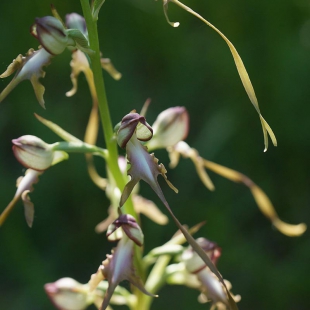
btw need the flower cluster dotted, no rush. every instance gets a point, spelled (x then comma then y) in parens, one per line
(193, 265)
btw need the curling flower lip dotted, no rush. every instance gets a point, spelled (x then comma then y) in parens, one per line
(51, 34)
(170, 127)
(34, 153)
(24, 187)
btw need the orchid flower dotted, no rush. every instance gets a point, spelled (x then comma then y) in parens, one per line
(193, 272)
(36, 155)
(119, 266)
(54, 39)
(79, 61)
(68, 294)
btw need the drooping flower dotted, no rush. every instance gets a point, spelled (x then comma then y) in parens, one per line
(119, 265)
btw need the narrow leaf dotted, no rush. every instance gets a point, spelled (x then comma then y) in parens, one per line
(242, 73)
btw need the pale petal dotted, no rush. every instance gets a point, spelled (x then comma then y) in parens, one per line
(28, 207)
(149, 209)
(262, 201)
(28, 67)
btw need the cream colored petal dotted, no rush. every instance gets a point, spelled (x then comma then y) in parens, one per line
(149, 209)
(107, 65)
(262, 201)
(28, 207)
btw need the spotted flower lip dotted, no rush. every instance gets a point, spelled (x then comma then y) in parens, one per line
(51, 34)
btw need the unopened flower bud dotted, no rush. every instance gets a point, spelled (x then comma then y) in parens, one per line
(170, 127)
(68, 294)
(133, 123)
(193, 261)
(76, 21)
(51, 34)
(130, 227)
(34, 153)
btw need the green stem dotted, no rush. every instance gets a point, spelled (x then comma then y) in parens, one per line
(79, 147)
(155, 281)
(111, 145)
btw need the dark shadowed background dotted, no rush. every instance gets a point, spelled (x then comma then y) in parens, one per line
(188, 66)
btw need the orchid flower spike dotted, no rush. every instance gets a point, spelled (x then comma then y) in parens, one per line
(145, 166)
(119, 266)
(34, 153)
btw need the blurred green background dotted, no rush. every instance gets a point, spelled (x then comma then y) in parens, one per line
(189, 66)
